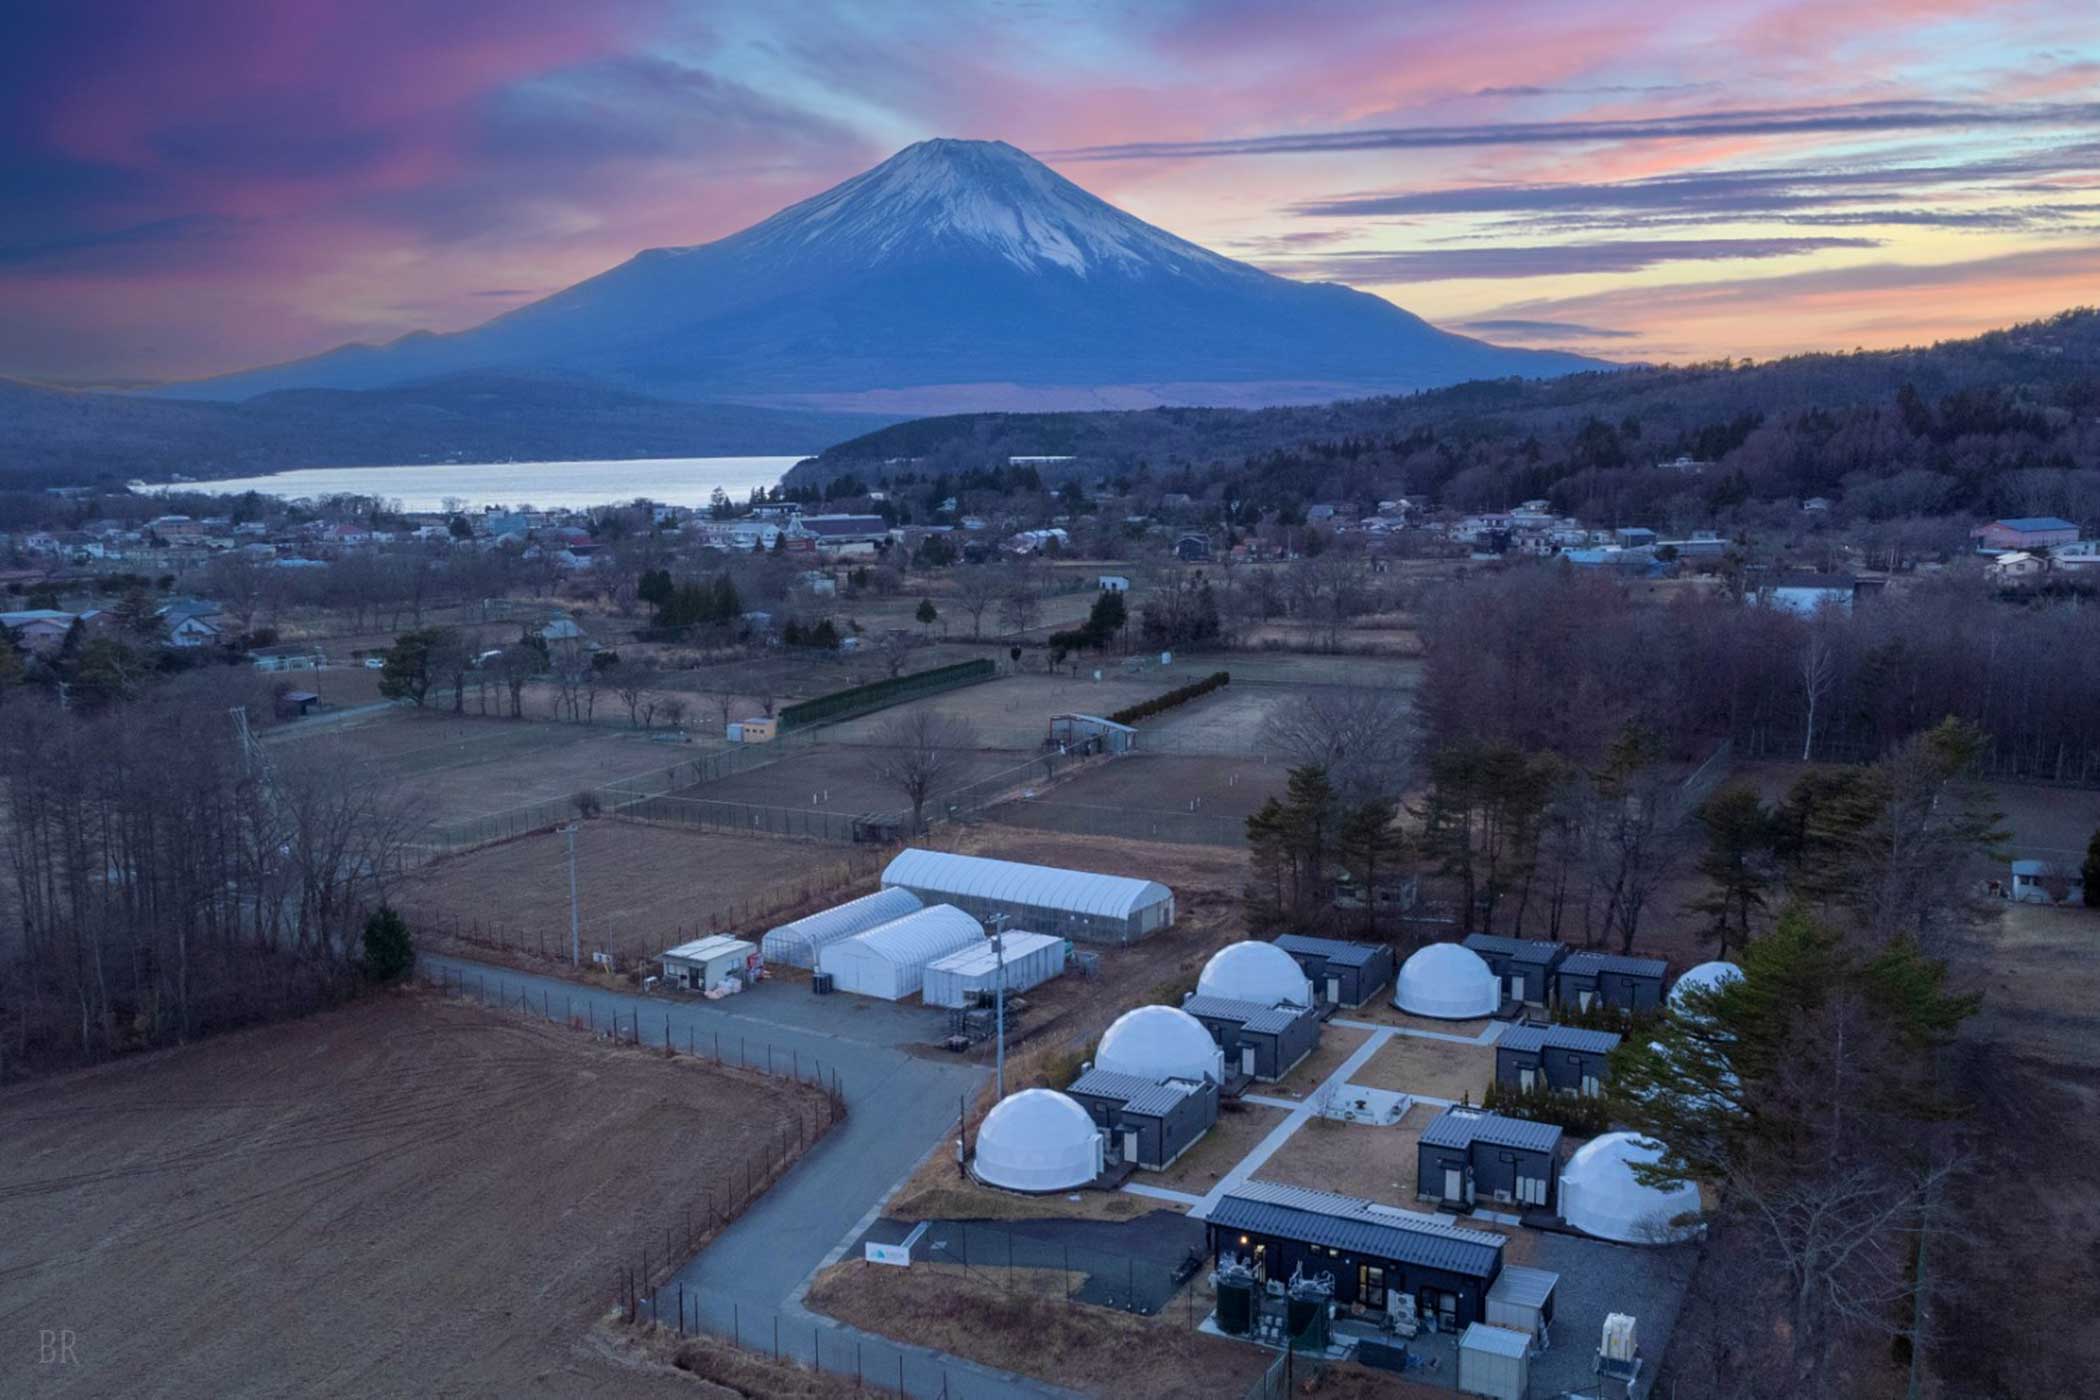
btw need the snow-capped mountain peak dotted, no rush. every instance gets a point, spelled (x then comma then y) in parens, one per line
(987, 195)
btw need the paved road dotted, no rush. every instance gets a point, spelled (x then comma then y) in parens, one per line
(898, 1106)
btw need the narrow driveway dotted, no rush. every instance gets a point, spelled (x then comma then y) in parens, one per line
(899, 1106)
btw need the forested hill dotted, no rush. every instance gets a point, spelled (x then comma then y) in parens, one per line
(1908, 431)
(51, 437)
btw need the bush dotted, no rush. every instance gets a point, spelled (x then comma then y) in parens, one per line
(1601, 1017)
(1584, 1117)
(390, 952)
(1181, 696)
(587, 803)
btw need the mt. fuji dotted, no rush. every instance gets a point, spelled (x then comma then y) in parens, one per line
(955, 276)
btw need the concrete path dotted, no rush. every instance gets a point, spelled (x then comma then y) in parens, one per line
(1489, 1036)
(1161, 1193)
(899, 1105)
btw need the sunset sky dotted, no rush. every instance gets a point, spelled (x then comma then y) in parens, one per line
(186, 189)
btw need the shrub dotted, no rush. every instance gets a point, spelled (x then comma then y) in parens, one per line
(1584, 1117)
(389, 950)
(1145, 709)
(587, 803)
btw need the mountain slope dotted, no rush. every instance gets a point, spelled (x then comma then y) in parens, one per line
(956, 274)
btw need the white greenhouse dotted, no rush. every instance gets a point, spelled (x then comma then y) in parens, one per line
(797, 944)
(960, 978)
(1707, 976)
(1449, 982)
(1261, 973)
(1160, 1042)
(889, 960)
(1599, 1194)
(1037, 1140)
(1073, 903)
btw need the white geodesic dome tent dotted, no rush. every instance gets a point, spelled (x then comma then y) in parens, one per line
(1160, 1042)
(797, 944)
(1705, 977)
(1037, 1140)
(1447, 981)
(889, 960)
(1258, 972)
(1599, 1194)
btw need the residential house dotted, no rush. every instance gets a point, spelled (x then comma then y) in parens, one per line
(1147, 1123)
(2047, 882)
(835, 532)
(1192, 549)
(41, 630)
(193, 622)
(2016, 566)
(297, 656)
(1341, 973)
(1261, 1042)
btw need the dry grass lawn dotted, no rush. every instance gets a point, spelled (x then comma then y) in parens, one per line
(1337, 1043)
(1375, 1164)
(1095, 1350)
(1219, 1152)
(935, 1192)
(1437, 1068)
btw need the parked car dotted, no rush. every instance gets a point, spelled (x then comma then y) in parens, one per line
(375, 663)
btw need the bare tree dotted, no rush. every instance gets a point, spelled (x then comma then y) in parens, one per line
(895, 648)
(920, 752)
(632, 682)
(515, 666)
(977, 587)
(1363, 736)
(1022, 606)
(1818, 671)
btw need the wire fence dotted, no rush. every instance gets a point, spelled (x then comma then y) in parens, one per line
(875, 1365)
(1130, 823)
(814, 823)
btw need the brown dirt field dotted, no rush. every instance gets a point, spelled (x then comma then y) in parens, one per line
(401, 1197)
(641, 888)
(1437, 1068)
(1013, 712)
(934, 1193)
(1225, 788)
(1219, 1151)
(1376, 1164)
(1091, 1349)
(460, 767)
(1337, 1043)
(708, 1367)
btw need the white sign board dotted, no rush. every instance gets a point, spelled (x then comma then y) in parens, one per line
(893, 1254)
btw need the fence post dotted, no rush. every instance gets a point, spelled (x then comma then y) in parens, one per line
(681, 1310)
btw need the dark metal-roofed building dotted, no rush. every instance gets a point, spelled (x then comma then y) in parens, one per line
(1591, 979)
(1568, 1058)
(1374, 1251)
(1148, 1122)
(1342, 973)
(1262, 1042)
(1524, 966)
(1468, 1153)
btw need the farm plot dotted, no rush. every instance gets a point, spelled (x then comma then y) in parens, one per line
(402, 1197)
(457, 768)
(640, 888)
(1154, 797)
(1014, 711)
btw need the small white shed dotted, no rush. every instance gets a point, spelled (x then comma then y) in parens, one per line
(1494, 1361)
(1031, 960)
(889, 961)
(700, 966)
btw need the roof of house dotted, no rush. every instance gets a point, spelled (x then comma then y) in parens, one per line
(1523, 950)
(2029, 523)
(713, 946)
(1338, 951)
(1148, 1098)
(1361, 1227)
(1462, 1127)
(1590, 964)
(1523, 1286)
(845, 524)
(1533, 1038)
(1495, 1341)
(1252, 1016)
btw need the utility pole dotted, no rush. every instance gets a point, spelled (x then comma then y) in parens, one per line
(575, 938)
(998, 922)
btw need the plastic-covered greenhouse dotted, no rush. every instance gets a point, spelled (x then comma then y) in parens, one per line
(1078, 904)
(797, 944)
(889, 961)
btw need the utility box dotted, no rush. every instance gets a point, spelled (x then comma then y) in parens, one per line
(1494, 1361)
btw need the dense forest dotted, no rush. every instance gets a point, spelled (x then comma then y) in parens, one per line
(2007, 423)
(55, 437)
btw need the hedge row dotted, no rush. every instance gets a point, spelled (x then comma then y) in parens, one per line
(1178, 696)
(878, 695)
(1573, 1113)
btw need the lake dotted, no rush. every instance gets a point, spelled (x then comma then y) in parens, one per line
(671, 481)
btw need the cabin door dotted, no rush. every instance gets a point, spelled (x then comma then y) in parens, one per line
(1334, 990)
(1247, 1060)
(1516, 987)
(1454, 1184)
(1130, 1146)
